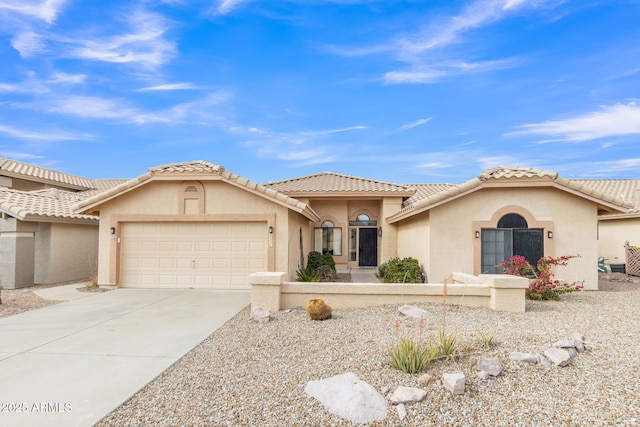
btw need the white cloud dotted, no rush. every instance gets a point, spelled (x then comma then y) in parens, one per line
(28, 44)
(88, 107)
(412, 125)
(168, 87)
(611, 121)
(41, 136)
(145, 44)
(46, 10)
(33, 84)
(227, 6)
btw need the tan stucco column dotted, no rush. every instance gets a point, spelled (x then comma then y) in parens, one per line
(507, 292)
(265, 290)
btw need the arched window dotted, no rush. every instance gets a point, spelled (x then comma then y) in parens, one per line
(512, 220)
(328, 238)
(362, 217)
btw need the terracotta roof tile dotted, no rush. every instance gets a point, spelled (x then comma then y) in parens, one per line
(627, 190)
(48, 204)
(39, 174)
(200, 166)
(331, 182)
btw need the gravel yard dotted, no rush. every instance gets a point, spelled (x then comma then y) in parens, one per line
(249, 374)
(16, 301)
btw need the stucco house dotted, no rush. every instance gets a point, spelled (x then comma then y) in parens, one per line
(42, 241)
(195, 224)
(616, 228)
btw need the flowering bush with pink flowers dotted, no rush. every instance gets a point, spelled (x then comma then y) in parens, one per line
(543, 286)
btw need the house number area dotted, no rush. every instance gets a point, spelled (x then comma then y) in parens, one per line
(37, 407)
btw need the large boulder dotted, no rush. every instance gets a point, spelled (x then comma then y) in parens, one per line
(348, 397)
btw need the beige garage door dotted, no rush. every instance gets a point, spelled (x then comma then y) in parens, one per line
(192, 255)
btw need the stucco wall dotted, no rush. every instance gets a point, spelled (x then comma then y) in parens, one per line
(297, 224)
(17, 253)
(613, 234)
(223, 202)
(413, 241)
(453, 246)
(65, 252)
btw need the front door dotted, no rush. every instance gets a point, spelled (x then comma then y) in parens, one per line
(368, 247)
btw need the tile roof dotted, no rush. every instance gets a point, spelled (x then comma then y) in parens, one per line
(29, 172)
(197, 167)
(424, 191)
(335, 183)
(627, 190)
(504, 174)
(42, 205)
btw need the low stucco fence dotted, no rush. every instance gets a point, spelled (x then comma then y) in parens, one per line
(495, 291)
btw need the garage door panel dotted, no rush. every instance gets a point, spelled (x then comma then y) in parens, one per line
(163, 254)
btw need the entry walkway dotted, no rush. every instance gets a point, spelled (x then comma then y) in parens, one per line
(364, 275)
(72, 363)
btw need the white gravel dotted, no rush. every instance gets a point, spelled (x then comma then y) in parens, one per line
(250, 374)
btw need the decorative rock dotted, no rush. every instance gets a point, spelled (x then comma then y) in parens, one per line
(348, 397)
(482, 375)
(565, 343)
(402, 412)
(579, 339)
(407, 395)
(558, 356)
(385, 389)
(492, 367)
(543, 361)
(260, 314)
(413, 311)
(454, 382)
(524, 357)
(318, 310)
(425, 379)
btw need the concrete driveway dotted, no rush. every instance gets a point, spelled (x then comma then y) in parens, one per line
(73, 363)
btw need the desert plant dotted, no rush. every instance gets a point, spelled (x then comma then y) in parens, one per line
(411, 357)
(314, 260)
(317, 309)
(327, 259)
(308, 275)
(327, 273)
(486, 340)
(396, 270)
(447, 345)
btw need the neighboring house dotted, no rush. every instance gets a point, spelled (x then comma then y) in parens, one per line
(616, 228)
(195, 224)
(41, 240)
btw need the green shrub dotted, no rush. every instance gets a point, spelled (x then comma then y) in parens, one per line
(396, 270)
(327, 259)
(323, 265)
(309, 275)
(314, 260)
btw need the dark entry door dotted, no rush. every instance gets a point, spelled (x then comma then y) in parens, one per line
(528, 243)
(368, 247)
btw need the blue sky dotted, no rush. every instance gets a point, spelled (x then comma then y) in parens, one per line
(403, 91)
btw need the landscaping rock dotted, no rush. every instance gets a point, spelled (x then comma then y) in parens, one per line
(565, 343)
(492, 367)
(260, 315)
(455, 383)
(413, 311)
(348, 397)
(523, 357)
(402, 411)
(558, 356)
(544, 361)
(482, 375)
(407, 395)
